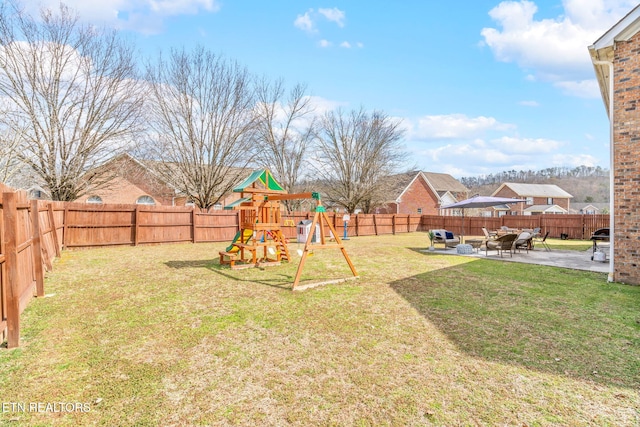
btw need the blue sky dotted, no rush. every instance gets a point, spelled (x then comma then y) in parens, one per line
(480, 86)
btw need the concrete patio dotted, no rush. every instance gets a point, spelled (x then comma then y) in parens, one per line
(577, 260)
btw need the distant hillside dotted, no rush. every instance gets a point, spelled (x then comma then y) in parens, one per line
(584, 183)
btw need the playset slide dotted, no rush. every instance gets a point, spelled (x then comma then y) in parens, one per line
(247, 235)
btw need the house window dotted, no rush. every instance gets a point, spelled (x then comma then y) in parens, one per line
(94, 199)
(529, 201)
(549, 200)
(419, 211)
(145, 200)
(217, 207)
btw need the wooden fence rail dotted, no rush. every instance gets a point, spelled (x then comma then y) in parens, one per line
(33, 233)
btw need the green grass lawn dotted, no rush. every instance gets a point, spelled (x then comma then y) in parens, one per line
(163, 335)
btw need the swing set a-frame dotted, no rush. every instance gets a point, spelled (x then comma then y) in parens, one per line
(260, 241)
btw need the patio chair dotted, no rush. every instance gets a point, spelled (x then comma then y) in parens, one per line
(543, 241)
(523, 241)
(501, 244)
(489, 235)
(446, 238)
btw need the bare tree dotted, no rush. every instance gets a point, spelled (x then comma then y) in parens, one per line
(203, 122)
(70, 96)
(356, 153)
(9, 162)
(285, 129)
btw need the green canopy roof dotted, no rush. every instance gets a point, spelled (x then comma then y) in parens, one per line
(263, 176)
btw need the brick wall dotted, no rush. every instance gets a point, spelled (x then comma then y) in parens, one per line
(419, 196)
(120, 190)
(509, 193)
(626, 156)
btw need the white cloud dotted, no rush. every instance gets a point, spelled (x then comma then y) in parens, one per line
(146, 16)
(321, 105)
(304, 22)
(308, 22)
(453, 126)
(182, 7)
(529, 146)
(574, 160)
(529, 103)
(553, 50)
(580, 89)
(479, 157)
(334, 15)
(465, 146)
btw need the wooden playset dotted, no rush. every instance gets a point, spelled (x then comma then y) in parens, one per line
(260, 241)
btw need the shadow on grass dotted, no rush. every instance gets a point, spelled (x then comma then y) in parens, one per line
(553, 320)
(225, 271)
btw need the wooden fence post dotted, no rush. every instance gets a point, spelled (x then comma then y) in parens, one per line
(65, 223)
(136, 220)
(193, 224)
(10, 217)
(52, 221)
(357, 231)
(36, 248)
(393, 224)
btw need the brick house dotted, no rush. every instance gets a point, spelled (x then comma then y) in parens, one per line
(616, 61)
(423, 193)
(540, 198)
(134, 182)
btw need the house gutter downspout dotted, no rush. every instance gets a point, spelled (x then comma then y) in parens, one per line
(611, 174)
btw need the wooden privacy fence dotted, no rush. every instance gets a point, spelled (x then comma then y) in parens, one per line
(105, 225)
(34, 232)
(29, 241)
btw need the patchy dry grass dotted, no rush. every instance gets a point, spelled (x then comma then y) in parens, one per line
(163, 335)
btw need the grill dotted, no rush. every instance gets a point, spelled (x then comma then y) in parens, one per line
(600, 235)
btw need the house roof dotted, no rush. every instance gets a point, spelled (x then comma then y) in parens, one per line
(595, 205)
(545, 208)
(443, 182)
(535, 190)
(602, 51)
(440, 183)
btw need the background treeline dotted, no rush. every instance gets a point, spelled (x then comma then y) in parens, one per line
(585, 183)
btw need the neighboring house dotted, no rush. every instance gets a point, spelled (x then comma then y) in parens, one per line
(589, 208)
(423, 193)
(539, 198)
(615, 57)
(135, 182)
(132, 183)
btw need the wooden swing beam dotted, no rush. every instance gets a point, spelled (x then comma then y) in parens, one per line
(321, 218)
